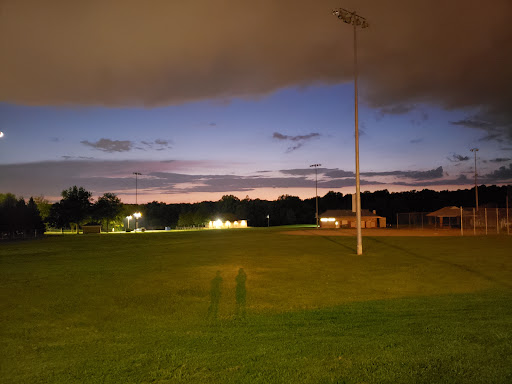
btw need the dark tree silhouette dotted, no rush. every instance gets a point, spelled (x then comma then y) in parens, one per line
(73, 208)
(18, 219)
(108, 208)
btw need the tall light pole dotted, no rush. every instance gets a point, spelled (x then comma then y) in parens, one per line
(475, 150)
(357, 21)
(316, 188)
(136, 187)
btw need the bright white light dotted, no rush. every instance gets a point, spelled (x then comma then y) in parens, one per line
(217, 223)
(1, 134)
(129, 217)
(324, 219)
(137, 215)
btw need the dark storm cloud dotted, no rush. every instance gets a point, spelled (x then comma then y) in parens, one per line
(399, 109)
(339, 173)
(500, 160)
(502, 174)
(107, 145)
(65, 157)
(497, 127)
(297, 140)
(418, 175)
(454, 158)
(492, 136)
(461, 180)
(51, 177)
(167, 177)
(440, 52)
(157, 145)
(473, 123)
(303, 171)
(280, 136)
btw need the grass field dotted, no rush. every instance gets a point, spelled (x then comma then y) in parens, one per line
(134, 308)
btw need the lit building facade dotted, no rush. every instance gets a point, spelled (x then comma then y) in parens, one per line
(341, 218)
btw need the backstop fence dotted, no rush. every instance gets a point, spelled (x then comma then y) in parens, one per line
(481, 221)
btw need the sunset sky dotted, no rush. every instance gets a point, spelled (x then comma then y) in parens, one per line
(234, 97)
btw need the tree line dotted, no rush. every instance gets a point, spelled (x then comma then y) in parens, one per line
(77, 208)
(289, 210)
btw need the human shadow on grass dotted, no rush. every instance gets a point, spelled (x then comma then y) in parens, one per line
(215, 294)
(240, 296)
(455, 265)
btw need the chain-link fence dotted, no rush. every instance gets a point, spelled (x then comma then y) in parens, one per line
(481, 221)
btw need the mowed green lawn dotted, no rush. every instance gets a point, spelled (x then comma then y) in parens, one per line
(133, 308)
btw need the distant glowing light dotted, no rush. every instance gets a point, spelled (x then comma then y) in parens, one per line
(137, 215)
(1, 134)
(329, 219)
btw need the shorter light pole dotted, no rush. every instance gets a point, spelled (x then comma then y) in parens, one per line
(129, 218)
(137, 216)
(268, 220)
(475, 150)
(136, 186)
(316, 189)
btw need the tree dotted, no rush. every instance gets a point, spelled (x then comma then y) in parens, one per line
(34, 219)
(73, 208)
(228, 204)
(18, 218)
(107, 208)
(43, 206)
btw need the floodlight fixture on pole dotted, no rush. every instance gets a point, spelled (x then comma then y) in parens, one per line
(357, 21)
(475, 150)
(136, 187)
(316, 189)
(129, 218)
(137, 216)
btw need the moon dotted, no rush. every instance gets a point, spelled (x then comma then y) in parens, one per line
(1, 134)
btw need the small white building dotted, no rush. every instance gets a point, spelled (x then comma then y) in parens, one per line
(219, 224)
(344, 218)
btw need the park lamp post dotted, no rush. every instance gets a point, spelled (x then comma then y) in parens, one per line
(475, 150)
(268, 220)
(316, 189)
(137, 216)
(357, 21)
(129, 218)
(136, 186)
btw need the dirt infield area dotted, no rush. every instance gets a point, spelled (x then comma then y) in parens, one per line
(379, 232)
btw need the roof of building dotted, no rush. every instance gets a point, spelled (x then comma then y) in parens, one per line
(347, 213)
(446, 212)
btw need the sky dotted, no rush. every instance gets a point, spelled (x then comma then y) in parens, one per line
(206, 99)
